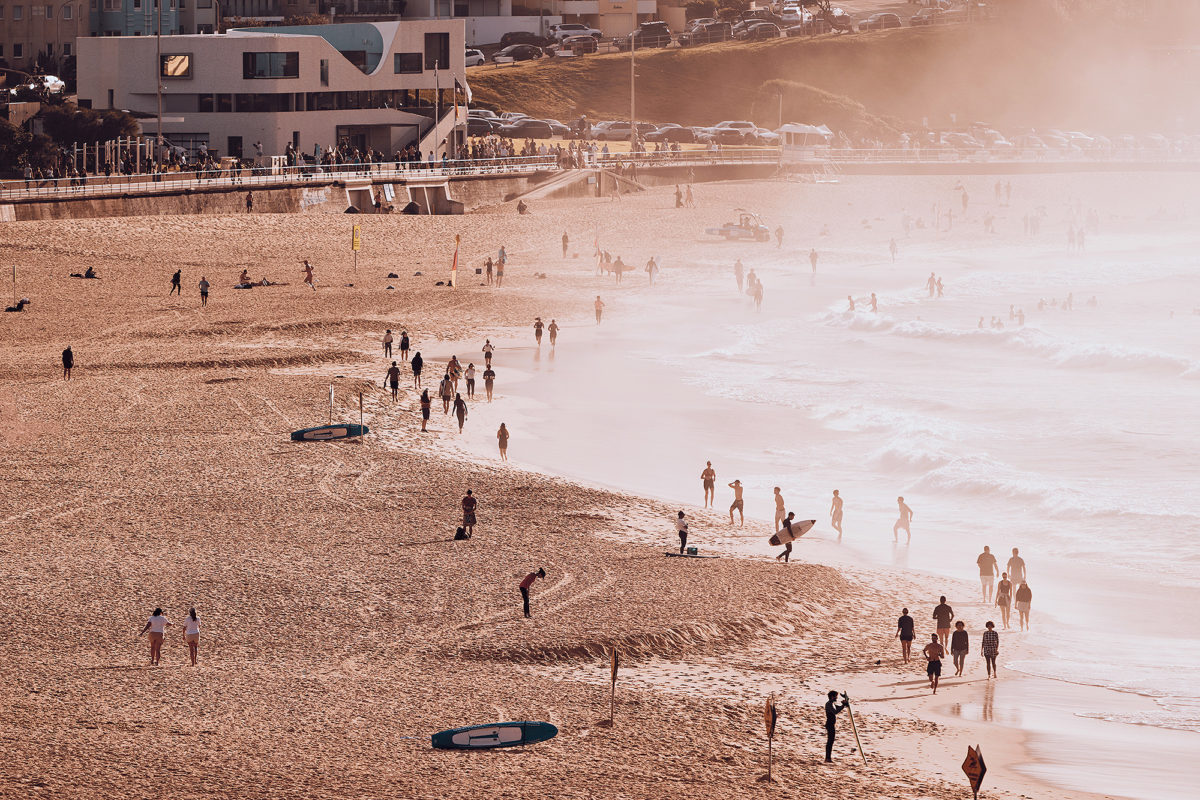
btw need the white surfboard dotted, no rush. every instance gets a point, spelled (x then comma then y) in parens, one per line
(799, 528)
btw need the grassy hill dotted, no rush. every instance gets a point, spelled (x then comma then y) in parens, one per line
(1040, 75)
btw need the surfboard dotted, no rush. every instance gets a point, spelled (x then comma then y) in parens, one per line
(688, 555)
(799, 528)
(497, 734)
(327, 432)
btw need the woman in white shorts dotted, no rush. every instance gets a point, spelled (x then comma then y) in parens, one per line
(191, 634)
(157, 625)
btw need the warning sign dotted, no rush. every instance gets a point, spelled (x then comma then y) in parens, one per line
(974, 768)
(769, 716)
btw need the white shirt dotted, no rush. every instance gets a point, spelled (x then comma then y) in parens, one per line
(159, 624)
(191, 625)
(470, 373)
(680, 524)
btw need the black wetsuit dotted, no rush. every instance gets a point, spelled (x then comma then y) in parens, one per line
(831, 712)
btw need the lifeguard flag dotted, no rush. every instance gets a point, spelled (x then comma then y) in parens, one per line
(454, 264)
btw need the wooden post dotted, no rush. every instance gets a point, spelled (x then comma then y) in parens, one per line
(330, 402)
(769, 717)
(14, 284)
(612, 702)
(360, 416)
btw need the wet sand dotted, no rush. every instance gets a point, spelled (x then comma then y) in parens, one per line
(341, 626)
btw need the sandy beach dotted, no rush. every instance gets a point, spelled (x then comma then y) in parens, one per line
(341, 625)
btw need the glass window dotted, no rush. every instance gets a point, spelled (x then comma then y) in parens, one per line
(18, 51)
(224, 103)
(271, 65)
(18, 13)
(407, 63)
(324, 71)
(137, 3)
(66, 48)
(1, 12)
(461, 8)
(204, 3)
(206, 104)
(176, 65)
(49, 12)
(437, 50)
(1, 50)
(67, 12)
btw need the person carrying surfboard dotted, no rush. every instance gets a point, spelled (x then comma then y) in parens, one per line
(527, 583)
(787, 524)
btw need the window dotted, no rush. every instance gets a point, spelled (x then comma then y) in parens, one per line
(18, 13)
(66, 48)
(407, 63)
(1, 51)
(66, 12)
(137, 3)
(271, 65)
(1, 12)
(437, 50)
(110, 98)
(18, 51)
(204, 3)
(49, 12)
(324, 71)
(50, 49)
(176, 65)
(461, 8)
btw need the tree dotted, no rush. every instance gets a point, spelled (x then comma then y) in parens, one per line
(67, 123)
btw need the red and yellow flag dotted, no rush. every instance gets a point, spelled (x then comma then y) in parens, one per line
(454, 263)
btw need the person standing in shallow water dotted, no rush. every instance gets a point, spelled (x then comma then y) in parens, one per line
(835, 513)
(1004, 598)
(157, 625)
(1024, 598)
(904, 632)
(502, 440)
(737, 504)
(489, 381)
(599, 309)
(987, 571)
(709, 477)
(904, 522)
(780, 508)
(990, 648)
(470, 377)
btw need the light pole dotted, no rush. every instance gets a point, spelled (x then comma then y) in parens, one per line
(632, 86)
(158, 78)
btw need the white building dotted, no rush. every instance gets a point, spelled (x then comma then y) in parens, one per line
(377, 85)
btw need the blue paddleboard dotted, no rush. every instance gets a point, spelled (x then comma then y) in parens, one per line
(327, 432)
(498, 734)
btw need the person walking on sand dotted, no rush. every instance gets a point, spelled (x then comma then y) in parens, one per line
(681, 527)
(454, 368)
(460, 410)
(933, 654)
(417, 365)
(527, 584)
(392, 378)
(904, 632)
(488, 349)
(204, 284)
(835, 513)
(502, 440)
(469, 504)
(1004, 591)
(489, 381)
(737, 505)
(537, 330)
(988, 570)
(778, 237)
(990, 648)
(651, 270)
(387, 343)
(739, 273)
(787, 546)
(501, 263)
(689, 199)
(1024, 597)
(678, 196)
(470, 376)
(758, 295)
(426, 407)
(599, 304)
(446, 392)
(904, 522)
(1016, 568)
(488, 269)
(404, 343)
(308, 276)
(191, 634)
(709, 478)
(553, 330)
(960, 645)
(812, 259)
(176, 280)
(565, 241)
(779, 507)
(249, 202)
(944, 615)
(157, 625)
(831, 712)
(68, 362)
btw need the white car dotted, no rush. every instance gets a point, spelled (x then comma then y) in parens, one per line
(562, 31)
(475, 58)
(792, 15)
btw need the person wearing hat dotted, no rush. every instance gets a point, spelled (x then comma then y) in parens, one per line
(526, 584)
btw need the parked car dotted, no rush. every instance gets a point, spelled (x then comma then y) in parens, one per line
(483, 112)
(763, 138)
(474, 58)
(792, 15)
(509, 117)
(557, 128)
(527, 129)
(672, 133)
(519, 52)
(929, 16)
(749, 227)
(761, 30)
(481, 126)
(523, 37)
(619, 130)
(648, 34)
(879, 22)
(577, 45)
(706, 34)
(567, 29)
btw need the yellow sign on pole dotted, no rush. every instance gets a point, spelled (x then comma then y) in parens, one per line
(769, 717)
(974, 767)
(356, 243)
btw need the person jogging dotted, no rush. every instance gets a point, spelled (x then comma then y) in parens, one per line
(176, 280)
(527, 584)
(831, 712)
(933, 654)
